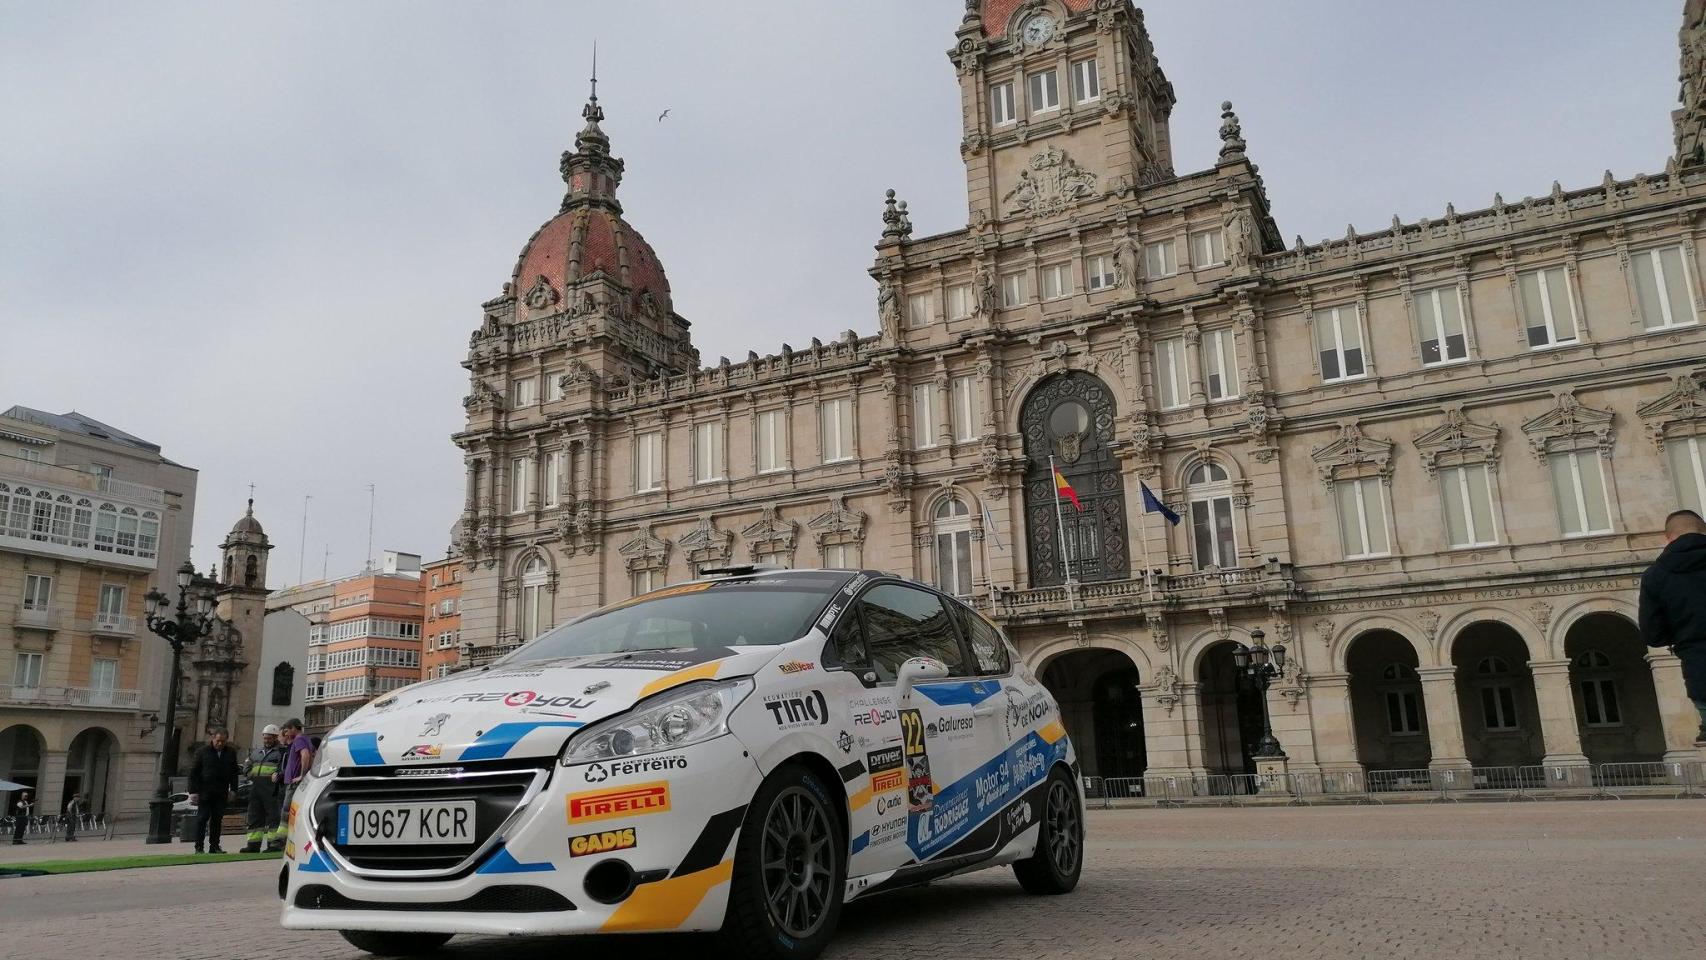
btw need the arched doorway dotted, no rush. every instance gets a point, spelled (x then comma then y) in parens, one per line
(1070, 417)
(88, 768)
(21, 749)
(1386, 702)
(1101, 709)
(1617, 706)
(1231, 713)
(1495, 696)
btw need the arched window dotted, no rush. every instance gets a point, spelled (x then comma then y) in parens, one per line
(1403, 691)
(228, 562)
(283, 684)
(951, 530)
(1498, 696)
(1597, 678)
(1210, 495)
(533, 612)
(251, 570)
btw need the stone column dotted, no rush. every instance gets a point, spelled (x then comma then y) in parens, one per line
(1566, 763)
(1676, 712)
(50, 796)
(1193, 364)
(1190, 718)
(1445, 720)
(473, 467)
(1164, 733)
(1335, 727)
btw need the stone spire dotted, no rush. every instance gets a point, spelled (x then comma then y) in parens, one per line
(591, 173)
(1231, 134)
(1689, 119)
(897, 225)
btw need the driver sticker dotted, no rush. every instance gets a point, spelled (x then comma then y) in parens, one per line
(920, 791)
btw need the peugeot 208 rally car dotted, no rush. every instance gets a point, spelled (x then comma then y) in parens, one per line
(742, 753)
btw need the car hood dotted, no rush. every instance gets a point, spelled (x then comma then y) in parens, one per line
(521, 710)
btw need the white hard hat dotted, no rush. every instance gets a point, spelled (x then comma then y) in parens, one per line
(271, 728)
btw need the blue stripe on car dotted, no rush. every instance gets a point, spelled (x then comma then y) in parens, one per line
(967, 693)
(363, 748)
(499, 740)
(504, 862)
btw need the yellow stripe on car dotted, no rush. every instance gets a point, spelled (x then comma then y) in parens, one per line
(666, 904)
(703, 671)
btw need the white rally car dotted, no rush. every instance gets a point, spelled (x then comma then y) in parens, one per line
(742, 753)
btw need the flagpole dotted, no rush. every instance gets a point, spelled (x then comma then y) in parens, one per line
(1059, 519)
(1148, 568)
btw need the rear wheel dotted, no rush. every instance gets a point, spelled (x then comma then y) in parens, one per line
(382, 943)
(790, 870)
(1054, 867)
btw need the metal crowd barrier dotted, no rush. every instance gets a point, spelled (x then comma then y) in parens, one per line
(1529, 782)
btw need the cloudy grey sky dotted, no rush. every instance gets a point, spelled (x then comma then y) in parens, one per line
(259, 234)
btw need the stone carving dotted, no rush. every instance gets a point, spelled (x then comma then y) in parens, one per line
(1325, 630)
(1353, 449)
(1155, 173)
(1053, 184)
(769, 534)
(888, 309)
(1125, 262)
(983, 291)
(1167, 688)
(1240, 238)
(541, 295)
(1430, 624)
(1570, 426)
(1231, 134)
(1459, 440)
(483, 395)
(1683, 406)
(1542, 612)
(706, 545)
(1217, 617)
(645, 551)
(897, 225)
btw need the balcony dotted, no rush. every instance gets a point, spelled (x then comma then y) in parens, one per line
(58, 476)
(112, 625)
(1204, 588)
(67, 514)
(29, 617)
(13, 694)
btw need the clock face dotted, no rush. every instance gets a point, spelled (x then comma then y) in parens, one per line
(1038, 28)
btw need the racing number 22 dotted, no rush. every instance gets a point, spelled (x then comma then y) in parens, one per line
(912, 732)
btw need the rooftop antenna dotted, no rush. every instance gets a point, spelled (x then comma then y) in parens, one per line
(370, 499)
(303, 551)
(326, 562)
(595, 71)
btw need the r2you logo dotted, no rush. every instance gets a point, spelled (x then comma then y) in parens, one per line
(804, 708)
(603, 770)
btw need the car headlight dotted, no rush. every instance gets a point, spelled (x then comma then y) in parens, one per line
(691, 713)
(323, 765)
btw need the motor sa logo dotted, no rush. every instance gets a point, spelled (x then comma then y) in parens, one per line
(602, 842)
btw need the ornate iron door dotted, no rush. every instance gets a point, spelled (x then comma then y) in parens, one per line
(1070, 416)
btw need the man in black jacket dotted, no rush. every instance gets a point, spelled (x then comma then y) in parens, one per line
(213, 779)
(1673, 602)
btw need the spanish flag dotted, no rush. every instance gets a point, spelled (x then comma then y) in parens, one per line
(1064, 489)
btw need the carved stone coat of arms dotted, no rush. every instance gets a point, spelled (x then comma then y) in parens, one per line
(1052, 184)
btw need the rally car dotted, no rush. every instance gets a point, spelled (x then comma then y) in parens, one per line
(745, 753)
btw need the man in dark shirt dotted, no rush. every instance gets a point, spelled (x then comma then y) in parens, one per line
(1673, 603)
(213, 780)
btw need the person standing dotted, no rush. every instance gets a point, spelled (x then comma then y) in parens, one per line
(1673, 603)
(73, 814)
(21, 816)
(213, 779)
(296, 764)
(266, 764)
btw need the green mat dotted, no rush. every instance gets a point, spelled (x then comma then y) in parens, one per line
(128, 863)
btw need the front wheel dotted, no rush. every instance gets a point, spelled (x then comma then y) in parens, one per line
(383, 943)
(1059, 857)
(790, 870)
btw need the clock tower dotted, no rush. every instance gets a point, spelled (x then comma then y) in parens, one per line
(1063, 103)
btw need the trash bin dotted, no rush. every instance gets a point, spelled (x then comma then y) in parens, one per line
(186, 826)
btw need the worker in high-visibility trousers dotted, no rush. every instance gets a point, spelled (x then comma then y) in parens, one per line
(266, 764)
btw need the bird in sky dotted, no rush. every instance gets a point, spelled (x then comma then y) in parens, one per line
(662, 115)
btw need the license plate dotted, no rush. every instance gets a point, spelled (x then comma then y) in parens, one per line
(446, 821)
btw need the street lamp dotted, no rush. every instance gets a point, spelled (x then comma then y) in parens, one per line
(1262, 665)
(180, 630)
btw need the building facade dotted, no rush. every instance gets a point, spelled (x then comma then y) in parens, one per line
(369, 642)
(1432, 459)
(91, 519)
(442, 644)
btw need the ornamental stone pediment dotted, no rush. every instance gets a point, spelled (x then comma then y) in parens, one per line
(1458, 440)
(1570, 426)
(1681, 412)
(1353, 449)
(1051, 184)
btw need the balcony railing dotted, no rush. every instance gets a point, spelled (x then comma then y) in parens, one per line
(1196, 585)
(79, 480)
(113, 625)
(35, 617)
(69, 696)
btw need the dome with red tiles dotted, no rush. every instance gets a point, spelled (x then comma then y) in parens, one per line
(997, 13)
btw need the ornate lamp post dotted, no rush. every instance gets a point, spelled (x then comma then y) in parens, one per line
(1262, 665)
(180, 630)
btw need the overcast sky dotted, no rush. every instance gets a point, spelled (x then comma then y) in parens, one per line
(259, 235)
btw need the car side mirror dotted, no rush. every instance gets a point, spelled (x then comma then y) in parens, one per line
(917, 670)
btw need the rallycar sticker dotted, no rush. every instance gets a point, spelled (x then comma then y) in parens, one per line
(622, 838)
(920, 790)
(965, 693)
(498, 741)
(973, 798)
(632, 800)
(363, 748)
(505, 862)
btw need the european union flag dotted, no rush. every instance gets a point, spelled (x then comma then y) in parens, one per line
(1153, 504)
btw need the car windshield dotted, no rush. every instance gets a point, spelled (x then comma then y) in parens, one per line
(722, 613)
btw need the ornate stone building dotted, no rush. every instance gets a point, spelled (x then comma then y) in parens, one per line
(1431, 459)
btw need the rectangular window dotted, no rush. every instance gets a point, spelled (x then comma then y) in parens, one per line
(523, 392)
(26, 670)
(840, 556)
(1362, 518)
(648, 462)
(1338, 342)
(38, 591)
(1170, 387)
(1439, 317)
(959, 301)
(1208, 248)
(964, 409)
(953, 562)
(1159, 259)
(1211, 532)
(1220, 364)
(772, 436)
(1468, 496)
(1578, 483)
(1498, 707)
(645, 581)
(1599, 702)
(1403, 712)
(1548, 313)
(918, 310)
(835, 422)
(1012, 289)
(520, 483)
(1099, 273)
(1001, 111)
(923, 415)
(707, 452)
(111, 604)
(1688, 472)
(552, 459)
(1057, 281)
(1044, 88)
(1086, 85)
(1661, 286)
(553, 386)
(103, 674)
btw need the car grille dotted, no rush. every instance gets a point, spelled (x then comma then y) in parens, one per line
(497, 792)
(505, 899)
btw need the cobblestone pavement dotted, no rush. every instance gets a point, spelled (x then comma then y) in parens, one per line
(1562, 879)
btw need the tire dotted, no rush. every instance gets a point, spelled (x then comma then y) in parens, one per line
(788, 910)
(383, 943)
(1059, 858)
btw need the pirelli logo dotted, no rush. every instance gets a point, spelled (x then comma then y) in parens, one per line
(888, 780)
(632, 800)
